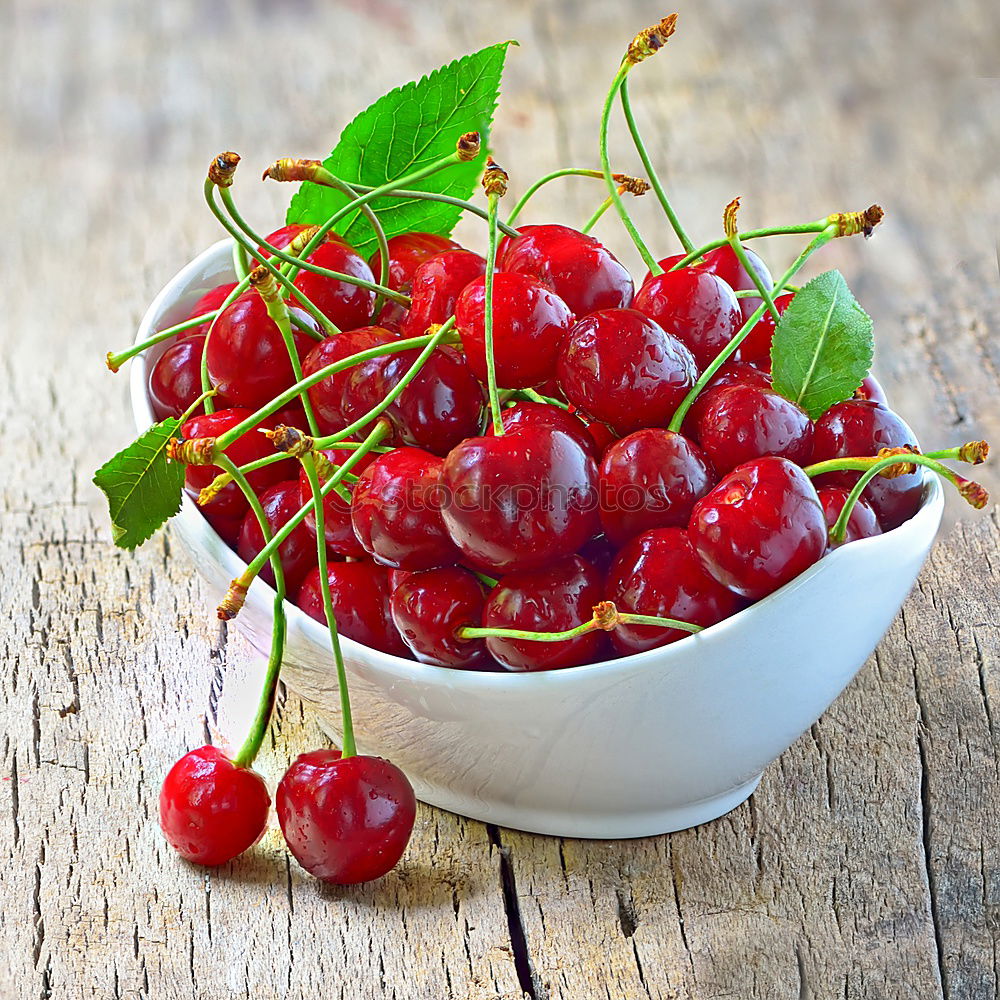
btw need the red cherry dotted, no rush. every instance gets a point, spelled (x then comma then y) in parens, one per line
(651, 479)
(860, 427)
(209, 302)
(529, 414)
(360, 596)
(553, 599)
(297, 552)
(227, 528)
(211, 811)
(280, 238)
(861, 523)
(724, 263)
(346, 820)
(658, 573)
(756, 346)
(406, 253)
(741, 422)
(666, 264)
(396, 511)
(437, 284)
(428, 608)
(731, 373)
(760, 527)
(247, 358)
(175, 379)
(229, 501)
(530, 323)
(340, 537)
(347, 305)
(695, 306)
(578, 268)
(601, 434)
(520, 500)
(620, 367)
(871, 390)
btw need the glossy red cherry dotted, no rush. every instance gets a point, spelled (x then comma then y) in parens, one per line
(334, 399)
(756, 346)
(209, 302)
(724, 262)
(620, 367)
(860, 427)
(731, 373)
(658, 573)
(529, 414)
(406, 253)
(530, 323)
(577, 267)
(297, 552)
(340, 537)
(742, 422)
(760, 527)
(347, 305)
(520, 500)
(360, 596)
(396, 511)
(552, 599)
(280, 238)
(227, 528)
(247, 359)
(345, 819)
(651, 479)
(695, 306)
(429, 608)
(229, 501)
(211, 811)
(437, 284)
(861, 523)
(601, 434)
(175, 379)
(871, 390)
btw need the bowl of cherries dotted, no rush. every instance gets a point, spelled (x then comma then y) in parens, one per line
(589, 552)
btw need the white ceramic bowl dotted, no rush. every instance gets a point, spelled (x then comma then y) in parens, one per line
(643, 745)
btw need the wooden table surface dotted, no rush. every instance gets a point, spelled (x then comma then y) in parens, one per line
(868, 862)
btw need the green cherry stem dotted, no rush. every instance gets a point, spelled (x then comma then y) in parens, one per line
(115, 361)
(647, 163)
(542, 181)
(593, 220)
(240, 264)
(247, 753)
(536, 397)
(495, 186)
(723, 356)
(349, 748)
(729, 224)
(206, 382)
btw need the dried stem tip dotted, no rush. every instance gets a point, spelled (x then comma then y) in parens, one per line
(468, 146)
(199, 451)
(729, 218)
(265, 283)
(606, 615)
(223, 168)
(972, 493)
(632, 185)
(651, 40)
(111, 363)
(494, 178)
(233, 602)
(290, 440)
(904, 468)
(974, 452)
(208, 493)
(290, 169)
(301, 241)
(852, 223)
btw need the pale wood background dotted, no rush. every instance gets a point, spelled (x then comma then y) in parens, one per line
(868, 863)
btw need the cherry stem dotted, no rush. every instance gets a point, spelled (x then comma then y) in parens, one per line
(555, 175)
(536, 397)
(741, 256)
(247, 753)
(493, 201)
(115, 361)
(206, 382)
(723, 356)
(240, 264)
(651, 174)
(630, 228)
(595, 623)
(379, 432)
(349, 749)
(593, 220)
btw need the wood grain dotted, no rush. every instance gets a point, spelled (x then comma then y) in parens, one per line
(866, 865)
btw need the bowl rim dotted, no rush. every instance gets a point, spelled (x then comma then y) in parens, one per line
(924, 522)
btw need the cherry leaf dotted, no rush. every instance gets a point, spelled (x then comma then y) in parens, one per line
(822, 347)
(406, 129)
(142, 487)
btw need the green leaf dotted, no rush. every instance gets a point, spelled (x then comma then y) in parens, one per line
(409, 128)
(142, 487)
(822, 346)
